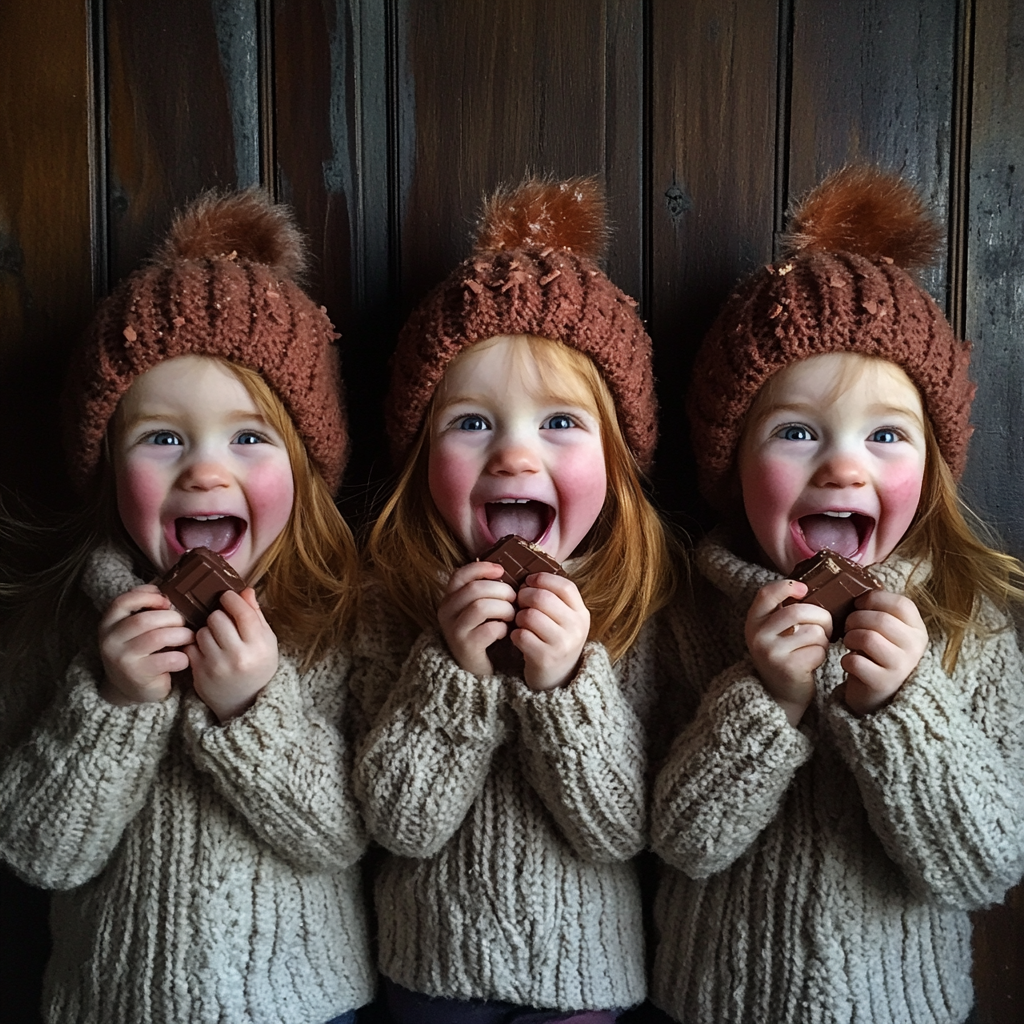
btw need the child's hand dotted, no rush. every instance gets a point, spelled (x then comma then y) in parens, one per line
(787, 644)
(473, 614)
(552, 626)
(133, 633)
(234, 656)
(886, 637)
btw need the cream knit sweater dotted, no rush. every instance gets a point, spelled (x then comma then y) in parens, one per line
(207, 872)
(510, 817)
(824, 874)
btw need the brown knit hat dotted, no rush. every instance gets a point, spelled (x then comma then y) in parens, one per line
(222, 284)
(845, 287)
(533, 271)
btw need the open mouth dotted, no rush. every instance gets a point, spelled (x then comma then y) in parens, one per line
(843, 532)
(218, 533)
(530, 519)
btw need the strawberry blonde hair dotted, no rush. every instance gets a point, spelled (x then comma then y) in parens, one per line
(307, 577)
(627, 561)
(963, 568)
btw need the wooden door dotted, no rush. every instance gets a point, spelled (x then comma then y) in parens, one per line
(383, 121)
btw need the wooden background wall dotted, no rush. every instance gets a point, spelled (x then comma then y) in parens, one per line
(383, 121)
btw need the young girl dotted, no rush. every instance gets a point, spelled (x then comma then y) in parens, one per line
(187, 793)
(506, 771)
(831, 812)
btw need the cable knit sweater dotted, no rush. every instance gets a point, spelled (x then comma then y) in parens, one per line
(511, 817)
(824, 874)
(207, 872)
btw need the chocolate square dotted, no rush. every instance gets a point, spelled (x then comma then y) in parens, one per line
(196, 581)
(834, 583)
(519, 558)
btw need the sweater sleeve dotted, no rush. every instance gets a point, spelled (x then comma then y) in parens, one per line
(71, 786)
(583, 752)
(429, 751)
(285, 765)
(941, 771)
(725, 776)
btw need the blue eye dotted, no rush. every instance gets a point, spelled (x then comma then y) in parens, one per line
(885, 435)
(558, 422)
(249, 437)
(163, 437)
(794, 432)
(472, 423)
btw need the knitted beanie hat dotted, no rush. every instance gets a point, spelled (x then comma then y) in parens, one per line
(222, 284)
(533, 271)
(845, 287)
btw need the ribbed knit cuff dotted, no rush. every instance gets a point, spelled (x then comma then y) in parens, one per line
(463, 706)
(577, 715)
(120, 731)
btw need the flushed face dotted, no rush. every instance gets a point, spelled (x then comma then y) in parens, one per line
(197, 465)
(510, 454)
(833, 456)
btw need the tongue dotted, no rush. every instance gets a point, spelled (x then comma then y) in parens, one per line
(821, 531)
(528, 519)
(215, 534)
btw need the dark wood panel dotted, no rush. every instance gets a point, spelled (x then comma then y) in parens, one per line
(331, 136)
(995, 263)
(994, 314)
(45, 300)
(712, 189)
(45, 223)
(488, 92)
(873, 81)
(182, 81)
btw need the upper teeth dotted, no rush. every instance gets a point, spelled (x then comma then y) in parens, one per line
(839, 515)
(204, 519)
(511, 501)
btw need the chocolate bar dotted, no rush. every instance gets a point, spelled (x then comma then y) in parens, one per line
(834, 583)
(195, 582)
(519, 558)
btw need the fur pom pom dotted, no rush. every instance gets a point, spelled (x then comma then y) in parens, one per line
(540, 212)
(868, 212)
(239, 225)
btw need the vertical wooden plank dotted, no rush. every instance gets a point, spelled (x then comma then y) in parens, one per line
(995, 268)
(994, 314)
(183, 113)
(713, 78)
(873, 81)
(488, 92)
(45, 301)
(45, 217)
(332, 166)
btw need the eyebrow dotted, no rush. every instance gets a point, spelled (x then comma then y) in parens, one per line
(879, 409)
(239, 415)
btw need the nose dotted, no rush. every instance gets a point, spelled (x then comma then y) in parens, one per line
(512, 457)
(840, 468)
(203, 474)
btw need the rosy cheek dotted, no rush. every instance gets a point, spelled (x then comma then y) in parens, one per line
(582, 487)
(450, 478)
(770, 488)
(900, 492)
(140, 495)
(270, 492)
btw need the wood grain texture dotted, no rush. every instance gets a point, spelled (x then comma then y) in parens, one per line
(490, 93)
(873, 81)
(994, 315)
(45, 225)
(171, 84)
(712, 187)
(995, 268)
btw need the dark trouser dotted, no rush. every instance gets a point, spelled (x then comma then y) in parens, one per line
(406, 1007)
